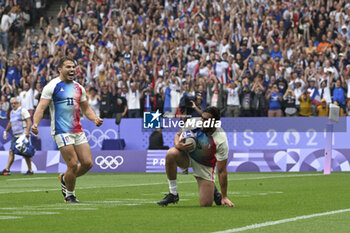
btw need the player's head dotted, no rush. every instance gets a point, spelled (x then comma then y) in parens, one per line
(66, 67)
(210, 114)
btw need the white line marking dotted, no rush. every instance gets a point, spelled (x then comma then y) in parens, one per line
(28, 191)
(271, 223)
(34, 178)
(67, 208)
(9, 217)
(48, 208)
(272, 177)
(159, 183)
(31, 213)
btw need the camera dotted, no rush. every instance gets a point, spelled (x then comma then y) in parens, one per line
(186, 104)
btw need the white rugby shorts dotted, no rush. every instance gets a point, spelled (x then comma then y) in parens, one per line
(66, 139)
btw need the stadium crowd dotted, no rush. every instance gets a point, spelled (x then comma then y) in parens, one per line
(246, 57)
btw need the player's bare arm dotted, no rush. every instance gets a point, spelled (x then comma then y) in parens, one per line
(222, 174)
(90, 114)
(38, 115)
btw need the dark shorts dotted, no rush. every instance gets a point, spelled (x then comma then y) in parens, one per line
(13, 143)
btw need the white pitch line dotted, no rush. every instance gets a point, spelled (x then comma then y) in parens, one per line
(31, 213)
(34, 178)
(47, 208)
(271, 223)
(9, 217)
(159, 183)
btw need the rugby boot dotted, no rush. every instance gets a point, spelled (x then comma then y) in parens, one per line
(169, 198)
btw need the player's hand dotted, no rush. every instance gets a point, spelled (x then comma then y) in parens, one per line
(226, 202)
(35, 129)
(181, 145)
(98, 121)
(4, 136)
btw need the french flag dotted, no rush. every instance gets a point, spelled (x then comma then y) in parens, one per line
(196, 71)
(315, 96)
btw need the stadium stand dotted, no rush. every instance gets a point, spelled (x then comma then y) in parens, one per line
(233, 53)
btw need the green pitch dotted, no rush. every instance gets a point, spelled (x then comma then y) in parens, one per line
(127, 203)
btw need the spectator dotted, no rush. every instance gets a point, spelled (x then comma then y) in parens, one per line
(94, 101)
(314, 94)
(115, 43)
(258, 101)
(4, 28)
(233, 103)
(289, 103)
(323, 110)
(324, 91)
(339, 93)
(298, 86)
(275, 98)
(106, 102)
(26, 97)
(246, 98)
(120, 106)
(158, 101)
(276, 53)
(305, 104)
(133, 99)
(4, 107)
(13, 73)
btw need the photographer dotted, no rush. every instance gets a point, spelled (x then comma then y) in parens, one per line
(258, 101)
(186, 104)
(289, 103)
(275, 98)
(196, 105)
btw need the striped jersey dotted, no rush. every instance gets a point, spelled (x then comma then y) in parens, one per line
(18, 120)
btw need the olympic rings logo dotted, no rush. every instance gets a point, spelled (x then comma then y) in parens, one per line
(96, 136)
(109, 161)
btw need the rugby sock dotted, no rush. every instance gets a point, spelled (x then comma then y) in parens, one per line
(173, 187)
(70, 193)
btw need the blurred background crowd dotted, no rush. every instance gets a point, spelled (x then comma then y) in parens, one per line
(250, 58)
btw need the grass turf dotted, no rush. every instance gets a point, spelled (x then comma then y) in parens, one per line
(127, 203)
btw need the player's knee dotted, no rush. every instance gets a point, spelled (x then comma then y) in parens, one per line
(171, 153)
(205, 203)
(88, 164)
(73, 165)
